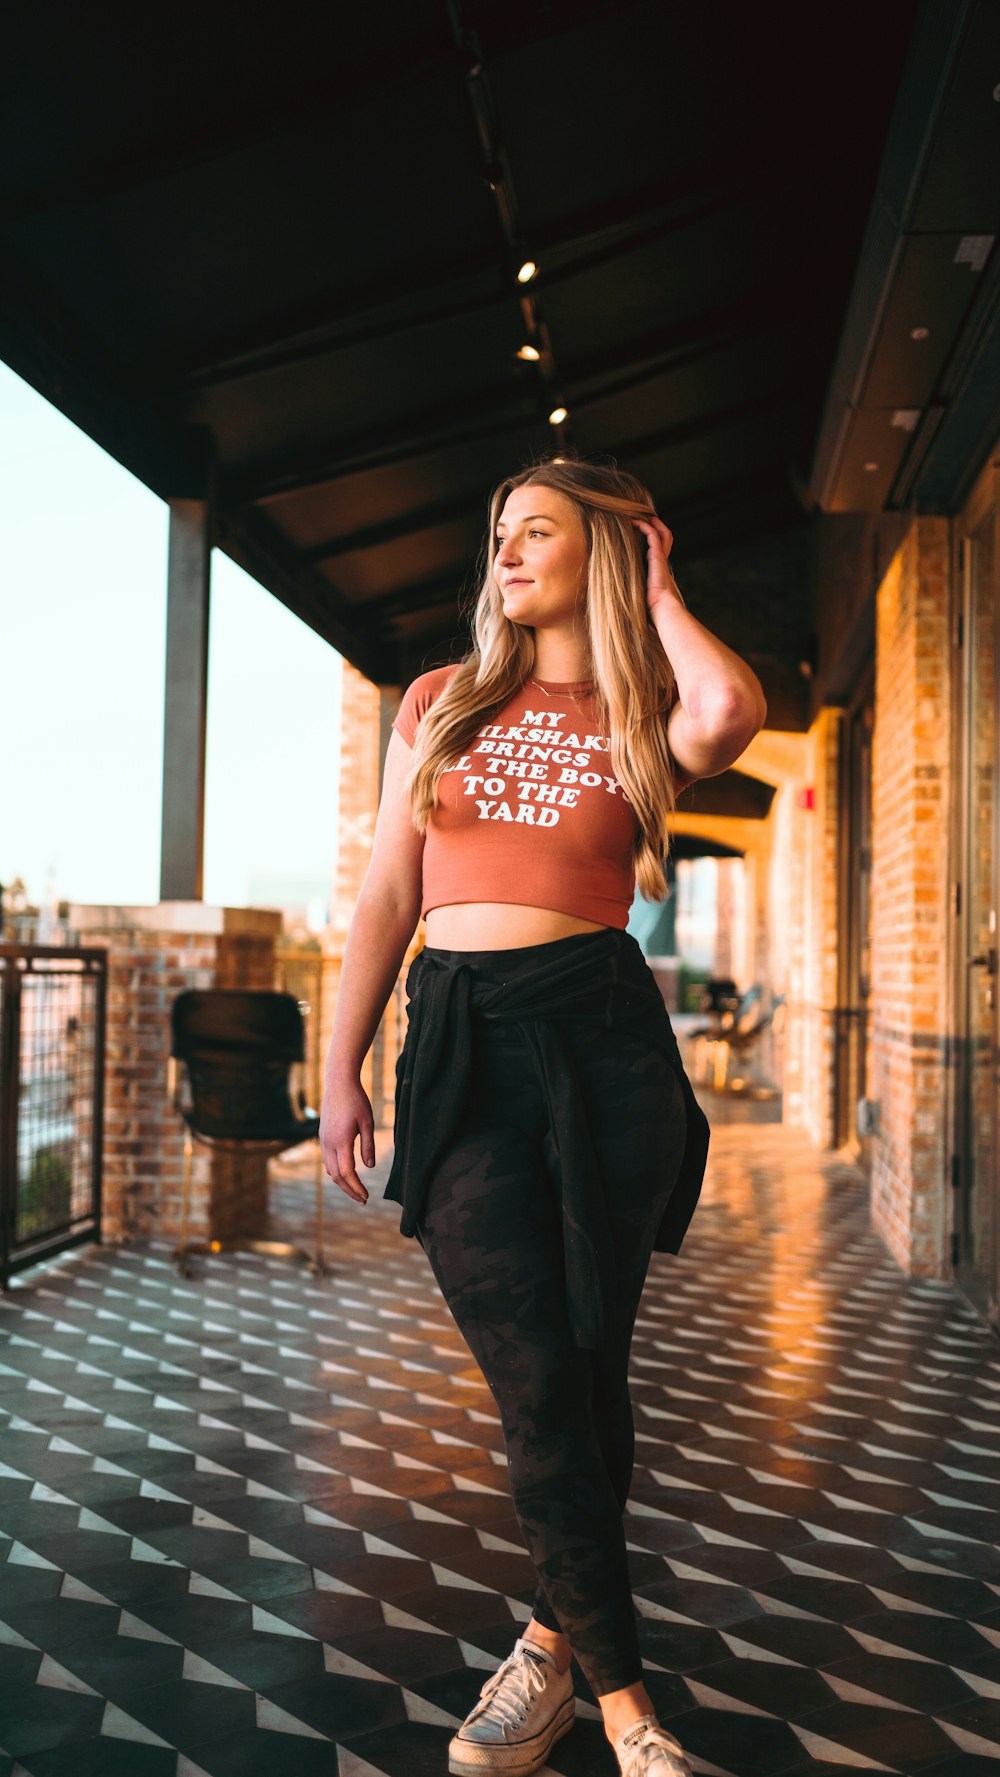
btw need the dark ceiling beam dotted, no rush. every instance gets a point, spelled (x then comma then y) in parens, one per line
(597, 235)
(365, 316)
(682, 344)
(756, 485)
(681, 431)
(664, 206)
(603, 232)
(223, 136)
(588, 384)
(422, 595)
(333, 462)
(647, 365)
(403, 524)
(367, 451)
(471, 284)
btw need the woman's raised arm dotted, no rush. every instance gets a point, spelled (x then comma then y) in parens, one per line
(720, 700)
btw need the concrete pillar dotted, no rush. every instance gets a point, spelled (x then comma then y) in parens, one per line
(186, 701)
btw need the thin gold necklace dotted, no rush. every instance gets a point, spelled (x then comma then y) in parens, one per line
(533, 681)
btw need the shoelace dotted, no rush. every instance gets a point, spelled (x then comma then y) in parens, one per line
(655, 1744)
(509, 1690)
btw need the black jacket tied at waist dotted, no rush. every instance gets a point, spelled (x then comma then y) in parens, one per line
(607, 982)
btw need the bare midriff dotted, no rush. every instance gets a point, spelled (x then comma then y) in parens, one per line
(499, 925)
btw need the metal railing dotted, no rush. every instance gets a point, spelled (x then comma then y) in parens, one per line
(53, 1001)
(313, 978)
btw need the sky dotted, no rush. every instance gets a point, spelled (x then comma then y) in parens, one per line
(83, 569)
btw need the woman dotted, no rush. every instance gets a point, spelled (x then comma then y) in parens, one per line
(546, 1136)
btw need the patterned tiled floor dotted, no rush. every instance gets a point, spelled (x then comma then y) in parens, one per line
(255, 1523)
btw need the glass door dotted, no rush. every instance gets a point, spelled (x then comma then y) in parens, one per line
(976, 1220)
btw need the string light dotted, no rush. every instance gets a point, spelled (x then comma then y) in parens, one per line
(530, 353)
(527, 272)
(557, 416)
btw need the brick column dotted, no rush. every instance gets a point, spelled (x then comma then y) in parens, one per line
(911, 772)
(361, 758)
(367, 711)
(153, 953)
(804, 935)
(822, 934)
(725, 907)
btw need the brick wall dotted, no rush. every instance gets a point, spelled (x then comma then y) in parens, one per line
(912, 774)
(794, 893)
(154, 953)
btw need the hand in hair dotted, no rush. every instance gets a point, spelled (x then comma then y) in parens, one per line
(660, 582)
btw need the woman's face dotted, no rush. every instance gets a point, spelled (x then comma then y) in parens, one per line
(540, 563)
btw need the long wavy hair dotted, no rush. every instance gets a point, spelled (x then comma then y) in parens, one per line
(634, 684)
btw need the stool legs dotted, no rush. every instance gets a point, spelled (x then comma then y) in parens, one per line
(180, 1251)
(318, 1265)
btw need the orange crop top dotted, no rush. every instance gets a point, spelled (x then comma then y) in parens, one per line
(531, 811)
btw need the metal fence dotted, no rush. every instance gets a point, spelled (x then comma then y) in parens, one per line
(52, 1036)
(313, 978)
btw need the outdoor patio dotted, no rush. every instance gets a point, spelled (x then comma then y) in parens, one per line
(254, 1521)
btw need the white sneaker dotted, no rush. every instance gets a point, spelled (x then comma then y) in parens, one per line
(647, 1750)
(524, 1708)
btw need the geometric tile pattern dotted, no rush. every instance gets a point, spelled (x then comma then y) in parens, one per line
(256, 1522)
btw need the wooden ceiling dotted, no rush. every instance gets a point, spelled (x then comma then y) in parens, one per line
(272, 253)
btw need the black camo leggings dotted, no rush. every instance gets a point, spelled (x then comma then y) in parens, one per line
(491, 1231)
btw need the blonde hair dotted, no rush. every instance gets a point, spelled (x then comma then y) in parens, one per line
(634, 684)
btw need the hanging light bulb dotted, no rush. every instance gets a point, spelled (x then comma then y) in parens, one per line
(557, 416)
(527, 272)
(530, 354)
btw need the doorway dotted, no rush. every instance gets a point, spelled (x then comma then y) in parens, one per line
(854, 990)
(976, 900)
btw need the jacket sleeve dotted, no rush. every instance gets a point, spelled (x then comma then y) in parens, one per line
(687, 1189)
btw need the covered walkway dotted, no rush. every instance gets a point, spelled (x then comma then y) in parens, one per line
(252, 1522)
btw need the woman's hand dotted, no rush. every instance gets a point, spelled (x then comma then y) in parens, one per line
(660, 584)
(346, 1114)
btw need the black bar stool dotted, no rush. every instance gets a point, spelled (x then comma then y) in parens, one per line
(243, 1052)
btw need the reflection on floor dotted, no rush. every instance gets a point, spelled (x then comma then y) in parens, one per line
(252, 1522)
(735, 1107)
